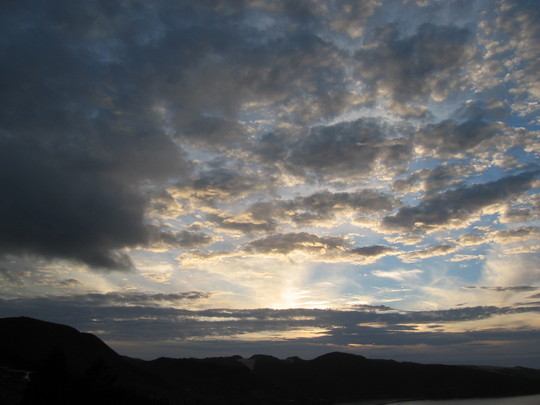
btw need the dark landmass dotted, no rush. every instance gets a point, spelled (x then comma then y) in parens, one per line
(46, 363)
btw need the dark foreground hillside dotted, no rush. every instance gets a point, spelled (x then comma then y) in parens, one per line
(45, 363)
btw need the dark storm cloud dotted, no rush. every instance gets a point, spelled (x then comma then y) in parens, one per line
(74, 145)
(427, 63)
(291, 242)
(455, 206)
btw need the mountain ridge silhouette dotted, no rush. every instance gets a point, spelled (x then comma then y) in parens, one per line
(43, 362)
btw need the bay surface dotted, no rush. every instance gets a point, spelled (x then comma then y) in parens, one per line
(526, 400)
(523, 400)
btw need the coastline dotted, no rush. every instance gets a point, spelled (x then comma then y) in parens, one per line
(380, 401)
(517, 400)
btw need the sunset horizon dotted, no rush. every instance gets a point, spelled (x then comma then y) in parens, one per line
(290, 178)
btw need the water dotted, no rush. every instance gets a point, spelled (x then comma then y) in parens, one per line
(528, 400)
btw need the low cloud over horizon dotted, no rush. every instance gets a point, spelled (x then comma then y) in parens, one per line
(276, 156)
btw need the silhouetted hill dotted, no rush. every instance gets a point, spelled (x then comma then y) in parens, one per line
(27, 342)
(46, 363)
(67, 366)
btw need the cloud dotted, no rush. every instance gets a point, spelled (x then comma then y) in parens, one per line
(450, 209)
(295, 63)
(249, 133)
(134, 298)
(364, 255)
(511, 270)
(518, 20)
(438, 250)
(448, 138)
(517, 215)
(296, 242)
(10, 277)
(333, 248)
(158, 277)
(73, 146)
(398, 275)
(325, 203)
(344, 150)
(219, 183)
(471, 239)
(69, 282)
(503, 289)
(405, 69)
(370, 251)
(461, 258)
(313, 209)
(353, 16)
(321, 206)
(113, 317)
(516, 234)
(211, 132)
(164, 240)
(347, 149)
(163, 204)
(408, 240)
(429, 180)
(81, 140)
(245, 223)
(488, 109)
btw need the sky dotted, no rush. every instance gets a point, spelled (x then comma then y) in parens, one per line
(290, 177)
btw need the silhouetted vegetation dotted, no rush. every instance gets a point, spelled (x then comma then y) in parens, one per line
(69, 367)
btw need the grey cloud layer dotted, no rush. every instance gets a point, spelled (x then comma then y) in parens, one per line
(92, 95)
(365, 325)
(344, 150)
(455, 206)
(105, 105)
(288, 243)
(313, 208)
(424, 64)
